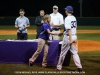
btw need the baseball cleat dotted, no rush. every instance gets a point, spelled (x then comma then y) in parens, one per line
(30, 64)
(44, 66)
(79, 69)
(58, 69)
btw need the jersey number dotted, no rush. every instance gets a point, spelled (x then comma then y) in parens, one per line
(73, 24)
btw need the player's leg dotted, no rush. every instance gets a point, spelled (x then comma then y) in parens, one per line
(38, 31)
(64, 49)
(75, 44)
(22, 36)
(75, 55)
(37, 35)
(25, 36)
(18, 36)
(41, 44)
(46, 47)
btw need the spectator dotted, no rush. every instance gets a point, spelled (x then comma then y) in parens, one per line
(56, 23)
(21, 24)
(39, 22)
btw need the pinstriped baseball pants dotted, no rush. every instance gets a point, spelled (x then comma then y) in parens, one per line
(64, 49)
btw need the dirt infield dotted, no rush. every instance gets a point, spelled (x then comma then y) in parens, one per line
(12, 32)
(83, 45)
(88, 45)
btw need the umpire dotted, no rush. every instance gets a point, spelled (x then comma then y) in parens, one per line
(39, 22)
(21, 24)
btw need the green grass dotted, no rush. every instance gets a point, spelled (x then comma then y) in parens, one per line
(90, 62)
(31, 36)
(88, 28)
(7, 27)
(95, 37)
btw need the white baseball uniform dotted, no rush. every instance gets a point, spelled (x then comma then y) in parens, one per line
(56, 19)
(70, 23)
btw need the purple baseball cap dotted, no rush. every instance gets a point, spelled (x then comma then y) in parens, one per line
(69, 8)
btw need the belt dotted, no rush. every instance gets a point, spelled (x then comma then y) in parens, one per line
(72, 34)
(56, 29)
(22, 30)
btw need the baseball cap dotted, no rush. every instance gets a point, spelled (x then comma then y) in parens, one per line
(69, 8)
(55, 6)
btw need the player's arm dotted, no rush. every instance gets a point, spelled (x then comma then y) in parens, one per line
(38, 22)
(68, 28)
(46, 28)
(28, 23)
(16, 26)
(60, 34)
(70, 36)
(52, 33)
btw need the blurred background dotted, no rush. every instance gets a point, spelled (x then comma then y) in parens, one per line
(87, 13)
(90, 8)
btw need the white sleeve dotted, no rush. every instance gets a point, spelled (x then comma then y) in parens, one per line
(27, 21)
(51, 18)
(67, 24)
(16, 22)
(61, 19)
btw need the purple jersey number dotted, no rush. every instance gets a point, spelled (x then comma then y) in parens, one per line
(73, 24)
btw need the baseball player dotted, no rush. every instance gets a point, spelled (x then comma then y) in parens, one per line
(56, 23)
(43, 41)
(21, 24)
(69, 40)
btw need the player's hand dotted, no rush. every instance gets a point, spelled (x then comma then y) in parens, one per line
(53, 33)
(60, 34)
(42, 21)
(70, 42)
(24, 27)
(52, 24)
(16, 26)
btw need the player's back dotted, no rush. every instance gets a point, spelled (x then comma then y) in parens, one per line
(72, 23)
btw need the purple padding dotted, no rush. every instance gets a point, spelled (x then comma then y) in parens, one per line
(20, 52)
